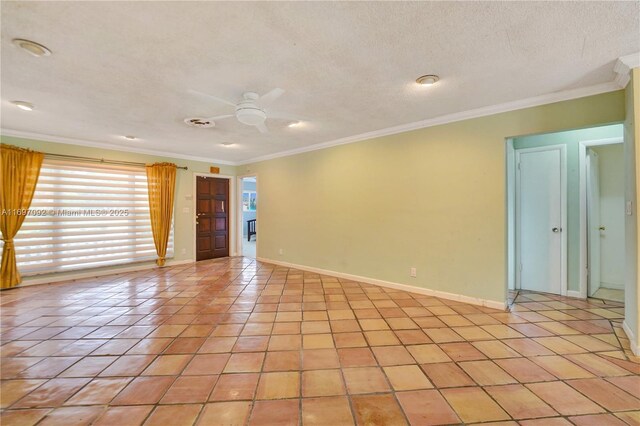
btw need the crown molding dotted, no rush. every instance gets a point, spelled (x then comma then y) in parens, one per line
(103, 145)
(623, 68)
(450, 118)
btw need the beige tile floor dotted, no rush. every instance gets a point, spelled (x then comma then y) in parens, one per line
(614, 294)
(234, 342)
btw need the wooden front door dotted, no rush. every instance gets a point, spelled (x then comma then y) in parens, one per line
(212, 222)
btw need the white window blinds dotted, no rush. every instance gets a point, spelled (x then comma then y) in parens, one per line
(86, 215)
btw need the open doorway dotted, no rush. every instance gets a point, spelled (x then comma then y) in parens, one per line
(602, 217)
(547, 239)
(249, 222)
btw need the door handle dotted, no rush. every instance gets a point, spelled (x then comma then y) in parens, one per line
(556, 230)
(223, 207)
(602, 228)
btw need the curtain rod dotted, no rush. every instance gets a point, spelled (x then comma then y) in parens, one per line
(102, 160)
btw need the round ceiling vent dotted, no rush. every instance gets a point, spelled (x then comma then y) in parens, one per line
(199, 122)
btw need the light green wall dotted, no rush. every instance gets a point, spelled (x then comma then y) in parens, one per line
(183, 222)
(611, 185)
(632, 156)
(433, 199)
(571, 140)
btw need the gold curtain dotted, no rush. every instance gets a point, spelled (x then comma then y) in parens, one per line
(161, 181)
(19, 171)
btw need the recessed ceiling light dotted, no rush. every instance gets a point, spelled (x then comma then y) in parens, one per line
(23, 105)
(227, 144)
(295, 124)
(33, 48)
(428, 80)
(131, 138)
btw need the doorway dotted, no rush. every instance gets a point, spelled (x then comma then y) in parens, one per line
(540, 217)
(212, 217)
(249, 211)
(573, 233)
(602, 208)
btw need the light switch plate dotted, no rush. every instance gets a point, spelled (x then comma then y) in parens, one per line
(629, 208)
(185, 210)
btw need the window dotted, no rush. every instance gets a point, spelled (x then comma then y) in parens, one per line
(249, 201)
(86, 215)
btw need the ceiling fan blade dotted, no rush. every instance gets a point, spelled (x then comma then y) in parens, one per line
(219, 117)
(215, 98)
(284, 116)
(262, 128)
(271, 96)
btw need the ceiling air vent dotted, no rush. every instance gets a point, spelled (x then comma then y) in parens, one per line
(199, 122)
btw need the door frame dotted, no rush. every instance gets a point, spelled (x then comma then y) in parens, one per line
(582, 161)
(510, 154)
(240, 224)
(232, 204)
(563, 214)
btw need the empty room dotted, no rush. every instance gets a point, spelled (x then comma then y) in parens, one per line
(319, 213)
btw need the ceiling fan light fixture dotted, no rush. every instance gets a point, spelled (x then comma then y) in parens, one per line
(251, 116)
(427, 80)
(23, 105)
(249, 111)
(31, 47)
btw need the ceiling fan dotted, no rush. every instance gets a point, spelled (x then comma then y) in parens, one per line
(250, 110)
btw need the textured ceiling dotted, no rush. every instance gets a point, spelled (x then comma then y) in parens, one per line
(125, 68)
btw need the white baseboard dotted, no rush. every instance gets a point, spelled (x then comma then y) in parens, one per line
(89, 273)
(404, 287)
(633, 341)
(576, 294)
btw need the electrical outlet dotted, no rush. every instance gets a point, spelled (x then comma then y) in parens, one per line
(185, 210)
(413, 272)
(280, 252)
(183, 251)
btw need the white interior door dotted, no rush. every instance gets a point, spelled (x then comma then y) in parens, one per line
(539, 215)
(593, 221)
